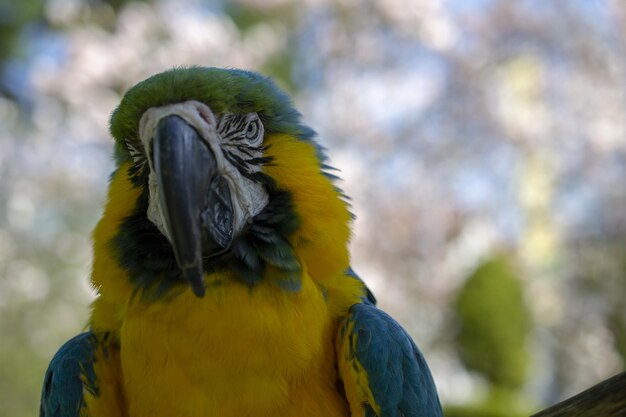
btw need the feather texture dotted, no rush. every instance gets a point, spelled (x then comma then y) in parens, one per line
(69, 372)
(384, 372)
(285, 328)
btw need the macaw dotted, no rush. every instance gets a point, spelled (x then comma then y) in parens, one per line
(222, 271)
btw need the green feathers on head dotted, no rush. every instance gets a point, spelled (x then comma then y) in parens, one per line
(223, 90)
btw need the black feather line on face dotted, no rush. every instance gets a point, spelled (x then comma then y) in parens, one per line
(233, 129)
(243, 149)
(244, 166)
(235, 160)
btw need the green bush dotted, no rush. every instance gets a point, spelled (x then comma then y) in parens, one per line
(494, 323)
(478, 411)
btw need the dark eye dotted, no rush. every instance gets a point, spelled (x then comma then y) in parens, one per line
(252, 129)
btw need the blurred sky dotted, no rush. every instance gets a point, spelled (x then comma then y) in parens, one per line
(461, 129)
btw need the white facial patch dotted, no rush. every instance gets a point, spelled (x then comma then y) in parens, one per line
(248, 197)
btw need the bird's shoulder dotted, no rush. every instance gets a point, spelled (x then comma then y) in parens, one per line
(70, 372)
(383, 371)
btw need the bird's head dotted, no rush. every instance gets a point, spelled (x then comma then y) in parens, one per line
(226, 179)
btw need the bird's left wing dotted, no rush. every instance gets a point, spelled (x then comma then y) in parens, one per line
(383, 372)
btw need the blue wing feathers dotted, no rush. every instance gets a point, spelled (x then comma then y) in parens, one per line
(398, 376)
(70, 370)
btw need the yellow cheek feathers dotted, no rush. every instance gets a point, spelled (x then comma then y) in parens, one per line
(321, 241)
(107, 277)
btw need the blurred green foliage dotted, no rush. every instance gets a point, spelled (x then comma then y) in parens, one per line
(479, 411)
(500, 402)
(248, 16)
(14, 16)
(494, 324)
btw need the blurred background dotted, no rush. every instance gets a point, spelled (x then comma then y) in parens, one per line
(483, 143)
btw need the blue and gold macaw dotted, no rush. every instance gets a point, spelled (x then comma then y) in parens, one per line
(222, 271)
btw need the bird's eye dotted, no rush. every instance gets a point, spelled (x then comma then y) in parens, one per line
(252, 130)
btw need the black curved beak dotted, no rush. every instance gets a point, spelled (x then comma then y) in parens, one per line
(185, 169)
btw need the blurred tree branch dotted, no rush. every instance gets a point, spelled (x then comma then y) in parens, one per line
(606, 399)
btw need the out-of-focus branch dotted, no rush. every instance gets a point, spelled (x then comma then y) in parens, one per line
(606, 399)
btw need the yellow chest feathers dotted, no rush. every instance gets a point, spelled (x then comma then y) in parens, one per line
(236, 352)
